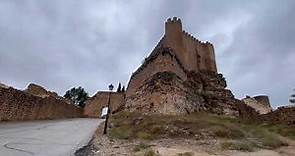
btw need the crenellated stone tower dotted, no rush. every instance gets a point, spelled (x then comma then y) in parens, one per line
(193, 54)
(179, 76)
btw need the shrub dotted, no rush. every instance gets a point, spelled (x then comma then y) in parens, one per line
(240, 146)
(121, 132)
(186, 154)
(140, 147)
(144, 135)
(150, 152)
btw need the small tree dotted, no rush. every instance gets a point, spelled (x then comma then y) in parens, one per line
(123, 89)
(77, 95)
(119, 88)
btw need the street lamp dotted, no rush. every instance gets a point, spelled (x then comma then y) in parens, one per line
(111, 87)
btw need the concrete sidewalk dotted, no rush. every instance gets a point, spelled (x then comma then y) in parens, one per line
(46, 138)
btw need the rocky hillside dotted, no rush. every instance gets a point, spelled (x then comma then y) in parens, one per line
(167, 93)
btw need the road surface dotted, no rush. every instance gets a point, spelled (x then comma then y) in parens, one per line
(46, 138)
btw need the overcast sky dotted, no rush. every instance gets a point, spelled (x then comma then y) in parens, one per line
(64, 43)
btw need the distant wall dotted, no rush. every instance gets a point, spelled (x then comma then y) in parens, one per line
(263, 99)
(16, 105)
(39, 91)
(260, 105)
(95, 104)
(282, 115)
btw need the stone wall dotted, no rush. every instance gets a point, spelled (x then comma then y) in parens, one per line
(16, 105)
(263, 99)
(37, 90)
(95, 104)
(259, 103)
(282, 115)
(193, 54)
(162, 60)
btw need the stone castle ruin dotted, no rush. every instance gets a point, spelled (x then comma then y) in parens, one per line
(260, 103)
(178, 77)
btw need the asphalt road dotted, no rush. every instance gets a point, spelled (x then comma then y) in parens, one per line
(46, 138)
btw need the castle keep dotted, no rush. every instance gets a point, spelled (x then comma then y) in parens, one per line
(178, 77)
(189, 54)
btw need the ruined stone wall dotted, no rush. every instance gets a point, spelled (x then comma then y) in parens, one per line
(37, 90)
(16, 105)
(161, 61)
(95, 104)
(283, 115)
(263, 99)
(260, 106)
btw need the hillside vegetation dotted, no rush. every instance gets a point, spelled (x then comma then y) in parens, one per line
(236, 134)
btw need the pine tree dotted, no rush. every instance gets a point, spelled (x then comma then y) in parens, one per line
(77, 95)
(123, 89)
(119, 87)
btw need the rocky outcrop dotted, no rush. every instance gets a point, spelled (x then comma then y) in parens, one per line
(167, 93)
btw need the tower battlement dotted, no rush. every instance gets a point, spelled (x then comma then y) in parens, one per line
(194, 54)
(173, 20)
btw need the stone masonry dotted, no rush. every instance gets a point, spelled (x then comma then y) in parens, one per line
(17, 105)
(180, 77)
(259, 103)
(39, 91)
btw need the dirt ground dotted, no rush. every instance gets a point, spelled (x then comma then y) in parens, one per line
(102, 145)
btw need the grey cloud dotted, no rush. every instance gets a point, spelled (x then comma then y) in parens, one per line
(60, 44)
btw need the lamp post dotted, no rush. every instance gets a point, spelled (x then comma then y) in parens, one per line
(111, 87)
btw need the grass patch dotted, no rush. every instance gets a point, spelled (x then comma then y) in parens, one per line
(143, 136)
(141, 146)
(266, 138)
(240, 146)
(227, 132)
(147, 152)
(123, 132)
(134, 125)
(283, 130)
(186, 154)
